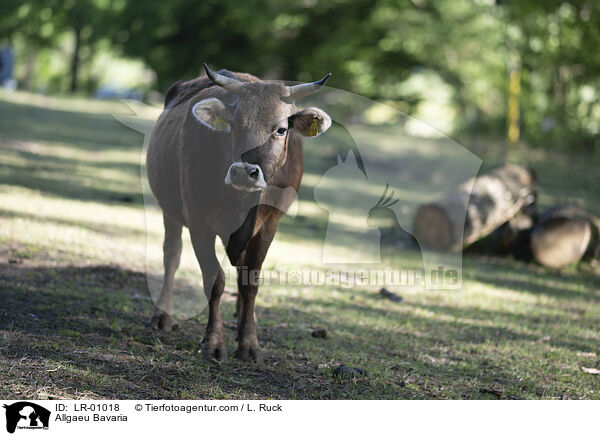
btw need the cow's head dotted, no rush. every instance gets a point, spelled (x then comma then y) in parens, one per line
(259, 123)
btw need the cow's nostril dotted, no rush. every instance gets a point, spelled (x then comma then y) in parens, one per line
(253, 173)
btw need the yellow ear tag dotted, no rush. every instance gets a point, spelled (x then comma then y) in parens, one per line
(220, 123)
(313, 130)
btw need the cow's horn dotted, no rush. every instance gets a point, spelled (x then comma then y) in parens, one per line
(228, 83)
(299, 91)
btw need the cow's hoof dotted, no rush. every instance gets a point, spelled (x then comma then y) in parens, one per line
(248, 354)
(161, 320)
(214, 352)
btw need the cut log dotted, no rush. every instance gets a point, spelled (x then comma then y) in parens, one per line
(563, 235)
(489, 200)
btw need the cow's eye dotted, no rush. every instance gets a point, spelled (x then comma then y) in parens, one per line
(281, 131)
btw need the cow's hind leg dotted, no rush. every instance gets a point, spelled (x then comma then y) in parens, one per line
(213, 345)
(163, 315)
(253, 258)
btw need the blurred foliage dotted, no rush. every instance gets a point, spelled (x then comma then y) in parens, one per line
(410, 53)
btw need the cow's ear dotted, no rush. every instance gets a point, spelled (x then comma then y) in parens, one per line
(212, 113)
(310, 122)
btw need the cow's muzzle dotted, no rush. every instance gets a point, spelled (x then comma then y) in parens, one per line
(245, 176)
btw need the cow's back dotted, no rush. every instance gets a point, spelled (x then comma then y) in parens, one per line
(181, 91)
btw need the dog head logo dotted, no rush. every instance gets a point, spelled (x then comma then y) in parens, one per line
(26, 415)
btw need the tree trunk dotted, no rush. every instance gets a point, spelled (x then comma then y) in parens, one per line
(29, 69)
(489, 201)
(75, 59)
(563, 235)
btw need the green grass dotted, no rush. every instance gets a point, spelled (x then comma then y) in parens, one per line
(74, 297)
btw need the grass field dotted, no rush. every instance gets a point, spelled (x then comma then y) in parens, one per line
(74, 300)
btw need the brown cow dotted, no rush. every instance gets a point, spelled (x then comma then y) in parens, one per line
(222, 160)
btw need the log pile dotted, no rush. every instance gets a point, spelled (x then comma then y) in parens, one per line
(501, 205)
(489, 200)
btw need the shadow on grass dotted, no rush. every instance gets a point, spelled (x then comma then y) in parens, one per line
(113, 229)
(535, 280)
(91, 321)
(82, 130)
(72, 176)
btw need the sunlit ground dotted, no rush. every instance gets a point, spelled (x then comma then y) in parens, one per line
(74, 298)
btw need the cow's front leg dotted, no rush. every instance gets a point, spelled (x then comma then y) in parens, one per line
(203, 240)
(248, 348)
(247, 289)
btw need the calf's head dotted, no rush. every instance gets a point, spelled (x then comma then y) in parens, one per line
(258, 123)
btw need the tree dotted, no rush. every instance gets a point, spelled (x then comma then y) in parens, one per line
(558, 41)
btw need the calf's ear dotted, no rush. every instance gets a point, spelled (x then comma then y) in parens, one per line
(310, 122)
(212, 113)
